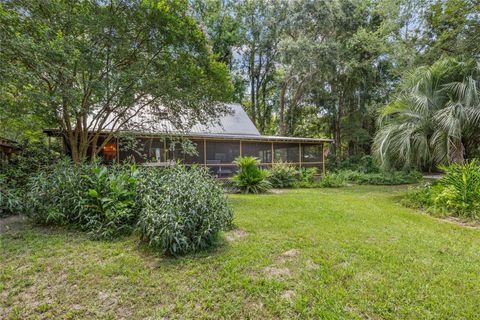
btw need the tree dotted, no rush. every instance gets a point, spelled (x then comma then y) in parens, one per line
(91, 66)
(435, 115)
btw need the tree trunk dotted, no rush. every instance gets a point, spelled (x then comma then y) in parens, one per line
(457, 151)
(337, 126)
(281, 115)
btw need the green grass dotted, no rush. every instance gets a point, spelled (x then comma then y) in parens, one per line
(352, 253)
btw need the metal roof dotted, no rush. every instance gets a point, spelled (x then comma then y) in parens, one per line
(232, 126)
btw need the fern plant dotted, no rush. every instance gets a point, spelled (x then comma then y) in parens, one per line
(250, 178)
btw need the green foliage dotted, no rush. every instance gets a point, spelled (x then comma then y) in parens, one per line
(457, 193)
(91, 197)
(72, 60)
(435, 118)
(250, 178)
(461, 189)
(307, 175)
(283, 175)
(10, 199)
(332, 180)
(110, 201)
(182, 209)
(381, 178)
(363, 163)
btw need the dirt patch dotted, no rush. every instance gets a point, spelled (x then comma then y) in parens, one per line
(12, 224)
(236, 234)
(288, 255)
(288, 294)
(460, 222)
(276, 191)
(274, 272)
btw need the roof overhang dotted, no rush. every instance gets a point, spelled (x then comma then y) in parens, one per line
(256, 138)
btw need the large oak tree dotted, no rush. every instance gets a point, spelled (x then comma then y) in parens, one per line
(90, 66)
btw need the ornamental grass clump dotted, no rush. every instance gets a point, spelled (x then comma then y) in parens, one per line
(250, 178)
(182, 209)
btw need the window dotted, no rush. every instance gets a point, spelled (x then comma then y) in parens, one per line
(286, 152)
(222, 152)
(109, 152)
(261, 150)
(312, 153)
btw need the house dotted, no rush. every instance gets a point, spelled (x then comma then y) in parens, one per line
(8, 148)
(216, 145)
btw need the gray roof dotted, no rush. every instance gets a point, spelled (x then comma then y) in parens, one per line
(236, 122)
(234, 125)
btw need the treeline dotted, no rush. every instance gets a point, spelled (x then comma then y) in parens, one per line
(325, 68)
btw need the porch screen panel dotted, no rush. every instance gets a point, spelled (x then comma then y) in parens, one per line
(142, 150)
(222, 152)
(312, 152)
(261, 150)
(286, 152)
(185, 157)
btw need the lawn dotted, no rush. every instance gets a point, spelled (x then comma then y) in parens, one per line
(349, 253)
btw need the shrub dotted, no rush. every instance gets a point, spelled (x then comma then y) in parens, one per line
(461, 189)
(381, 178)
(110, 201)
(182, 210)
(250, 178)
(332, 180)
(91, 197)
(283, 175)
(10, 199)
(307, 175)
(457, 193)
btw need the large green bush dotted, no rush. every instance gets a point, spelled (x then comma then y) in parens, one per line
(250, 178)
(283, 175)
(91, 197)
(457, 193)
(182, 209)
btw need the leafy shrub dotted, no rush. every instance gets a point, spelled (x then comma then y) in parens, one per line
(283, 175)
(461, 189)
(182, 210)
(332, 180)
(10, 199)
(381, 178)
(91, 197)
(250, 178)
(457, 193)
(308, 174)
(110, 201)
(364, 164)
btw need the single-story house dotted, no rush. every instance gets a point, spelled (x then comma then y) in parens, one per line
(217, 146)
(8, 148)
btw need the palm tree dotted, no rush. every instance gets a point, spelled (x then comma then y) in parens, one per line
(436, 111)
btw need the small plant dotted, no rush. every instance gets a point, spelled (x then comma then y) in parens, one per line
(283, 175)
(332, 180)
(307, 175)
(182, 210)
(250, 178)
